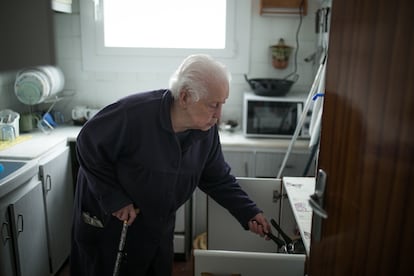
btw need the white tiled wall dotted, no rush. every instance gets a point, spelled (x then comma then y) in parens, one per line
(7, 97)
(97, 89)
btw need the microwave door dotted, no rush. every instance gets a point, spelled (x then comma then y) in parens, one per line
(288, 121)
(271, 117)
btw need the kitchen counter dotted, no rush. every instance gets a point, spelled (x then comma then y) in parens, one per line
(237, 139)
(298, 190)
(38, 143)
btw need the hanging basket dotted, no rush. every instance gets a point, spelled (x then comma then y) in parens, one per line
(280, 54)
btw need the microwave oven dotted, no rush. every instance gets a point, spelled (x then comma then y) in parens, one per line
(273, 117)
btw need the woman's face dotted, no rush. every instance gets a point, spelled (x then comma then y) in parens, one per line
(206, 112)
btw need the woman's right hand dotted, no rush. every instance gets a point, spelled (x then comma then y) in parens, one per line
(127, 213)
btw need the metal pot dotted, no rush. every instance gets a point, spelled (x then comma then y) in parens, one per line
(272, 87)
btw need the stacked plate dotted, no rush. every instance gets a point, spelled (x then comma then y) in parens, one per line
(35, 84)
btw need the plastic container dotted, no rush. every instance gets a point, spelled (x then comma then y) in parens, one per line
(10, 118)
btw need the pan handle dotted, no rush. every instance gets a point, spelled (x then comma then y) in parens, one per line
(253, 84)
(294, 76)
(249, 82)
(278, 241)
(287, 239)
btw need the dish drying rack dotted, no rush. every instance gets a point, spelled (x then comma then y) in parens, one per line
(47, 124)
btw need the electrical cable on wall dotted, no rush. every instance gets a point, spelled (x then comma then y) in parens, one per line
(295, 63)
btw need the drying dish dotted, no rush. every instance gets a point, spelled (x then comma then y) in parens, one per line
(35, 84)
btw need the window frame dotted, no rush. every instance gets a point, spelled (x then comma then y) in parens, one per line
(97, 57)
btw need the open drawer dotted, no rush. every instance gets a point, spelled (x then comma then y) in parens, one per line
(235, 251)
(224, 262)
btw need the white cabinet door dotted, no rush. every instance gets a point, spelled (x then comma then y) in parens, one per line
(226, 233)
(29, 232)
(56, 175)
(241, 162)
(220, 262)
(268, 164)
(6, 246)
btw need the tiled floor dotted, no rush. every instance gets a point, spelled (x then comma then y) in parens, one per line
(181, 268)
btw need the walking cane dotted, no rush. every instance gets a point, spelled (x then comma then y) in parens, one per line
(121, 254)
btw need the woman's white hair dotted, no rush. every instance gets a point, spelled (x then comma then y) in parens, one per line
(194, 75)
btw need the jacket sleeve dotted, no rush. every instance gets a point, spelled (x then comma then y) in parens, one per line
(100, 142)
(222, 186)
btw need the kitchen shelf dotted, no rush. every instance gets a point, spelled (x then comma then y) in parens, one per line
(286, 7)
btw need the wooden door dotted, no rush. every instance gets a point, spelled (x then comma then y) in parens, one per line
(367, 141)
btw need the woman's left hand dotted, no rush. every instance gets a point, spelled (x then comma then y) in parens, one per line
(260, 225)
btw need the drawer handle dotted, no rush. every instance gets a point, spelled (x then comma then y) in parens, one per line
(48, 184)
(5, 232)
(212, 274)
(20, 224)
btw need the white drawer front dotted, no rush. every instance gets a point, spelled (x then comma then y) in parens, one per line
(222, 262)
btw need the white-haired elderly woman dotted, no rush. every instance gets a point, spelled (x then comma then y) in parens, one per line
(149, 151)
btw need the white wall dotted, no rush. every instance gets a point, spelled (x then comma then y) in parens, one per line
(97, 89)
(7, 98)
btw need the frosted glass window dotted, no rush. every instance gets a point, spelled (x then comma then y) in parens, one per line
(155, 35)
(165, 23)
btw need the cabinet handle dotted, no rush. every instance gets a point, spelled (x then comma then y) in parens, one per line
(212, 274)
(316, 203)
(20, 224)
(316, 200)
(48, 184)
(313, 202)
(246, 169)
(5, 232)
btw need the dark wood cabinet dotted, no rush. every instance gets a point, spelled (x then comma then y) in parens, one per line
(26, 29)
(268, 7)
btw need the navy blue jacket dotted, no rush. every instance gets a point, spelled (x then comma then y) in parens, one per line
(129, 153)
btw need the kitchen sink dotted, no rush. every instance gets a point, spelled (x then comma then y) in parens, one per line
(9, 167)
(13, 173)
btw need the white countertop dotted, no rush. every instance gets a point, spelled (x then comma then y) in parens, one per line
(237, 139)
(39, 143)
(298, 190)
